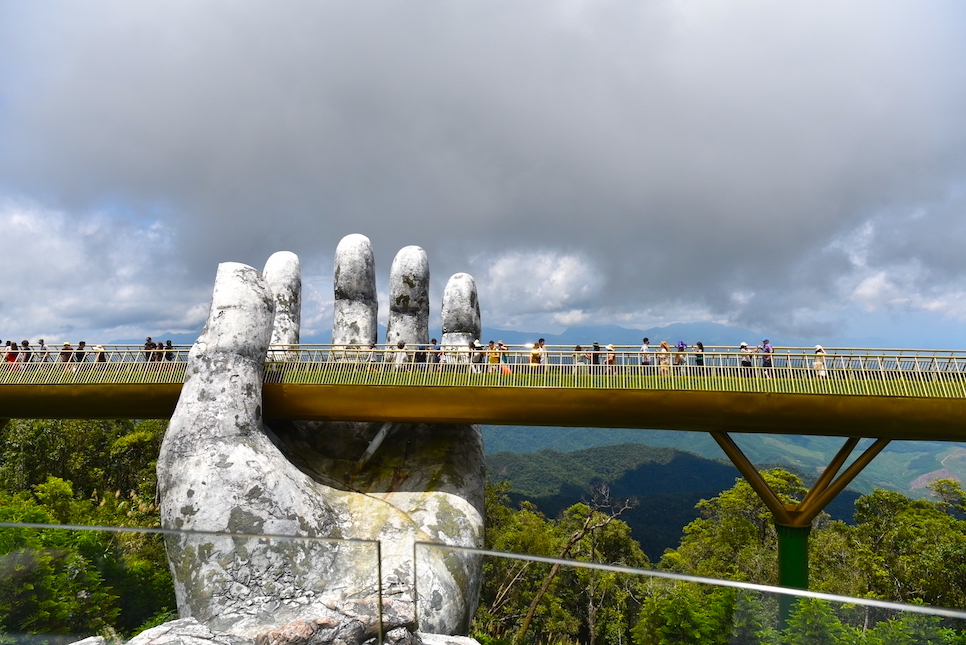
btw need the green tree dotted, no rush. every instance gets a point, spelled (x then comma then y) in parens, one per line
(683, 613)
(93, 455)
(551, 603)
(47, 585)
(735, 535)
(950, 497)
(813, 622)
(607, 599)
(126, 573)
(911, 549)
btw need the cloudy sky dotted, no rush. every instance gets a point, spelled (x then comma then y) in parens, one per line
(797, 169)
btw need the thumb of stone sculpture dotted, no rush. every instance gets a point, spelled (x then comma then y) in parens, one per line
(219, 471)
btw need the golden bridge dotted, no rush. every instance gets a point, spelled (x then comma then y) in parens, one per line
(891, 394)
(854, 393)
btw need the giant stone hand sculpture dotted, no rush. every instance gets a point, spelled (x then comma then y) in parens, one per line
(223, 467)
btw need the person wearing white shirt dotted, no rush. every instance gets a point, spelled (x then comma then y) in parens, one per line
(645, 354)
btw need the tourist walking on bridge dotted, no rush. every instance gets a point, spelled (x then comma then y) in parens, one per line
(745, 358)
(66, 354)
(595, 358)
(492, 358)
(664, 358)
(504, 356)
(699, 356)
(645, 354)
(681, 358)
(400, 356)
(819, 364)
(766, 350)
(581, 361)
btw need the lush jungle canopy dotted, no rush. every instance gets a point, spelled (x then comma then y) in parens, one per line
(102, 473)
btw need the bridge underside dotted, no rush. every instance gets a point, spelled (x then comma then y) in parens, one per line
(903, 418)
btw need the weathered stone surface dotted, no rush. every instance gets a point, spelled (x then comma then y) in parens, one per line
(356, 622)
(186, 631)
(444, 639)
(220, 469)
(409, 297)
(354, 312)
(428, 480)
(283, 275)
(460, 312)
(320, 631)
(91, 640)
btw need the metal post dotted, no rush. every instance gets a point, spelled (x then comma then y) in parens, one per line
(792, 565)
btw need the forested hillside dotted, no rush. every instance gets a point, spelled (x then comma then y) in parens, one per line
(665, 483)
(904, 466)
(102, 473)
(70, 582)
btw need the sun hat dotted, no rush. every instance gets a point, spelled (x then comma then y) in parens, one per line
(744, 345)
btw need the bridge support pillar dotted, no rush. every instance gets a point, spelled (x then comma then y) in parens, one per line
(793, 522)
(792, 564)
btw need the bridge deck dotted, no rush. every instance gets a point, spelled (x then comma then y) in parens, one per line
(879, 393)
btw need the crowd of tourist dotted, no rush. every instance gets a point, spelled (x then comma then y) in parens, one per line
(496, 356)
(24, 352)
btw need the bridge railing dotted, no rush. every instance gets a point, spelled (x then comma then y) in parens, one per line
(846, 371)
(849, 371)
(102, 364)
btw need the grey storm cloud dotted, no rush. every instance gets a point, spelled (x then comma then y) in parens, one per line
(718, 157)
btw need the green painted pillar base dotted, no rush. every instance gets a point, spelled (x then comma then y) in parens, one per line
(792, 565)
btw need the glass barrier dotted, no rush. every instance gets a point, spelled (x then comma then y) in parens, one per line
(533, 599)
(60, 584)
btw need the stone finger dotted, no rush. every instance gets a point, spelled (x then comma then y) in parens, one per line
(409, 297)
(460, 312)
(283, 275)
(354, 314)
(226, 364)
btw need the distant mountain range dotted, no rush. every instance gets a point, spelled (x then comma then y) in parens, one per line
(904, 466)
(708, 333)
(666, 484)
